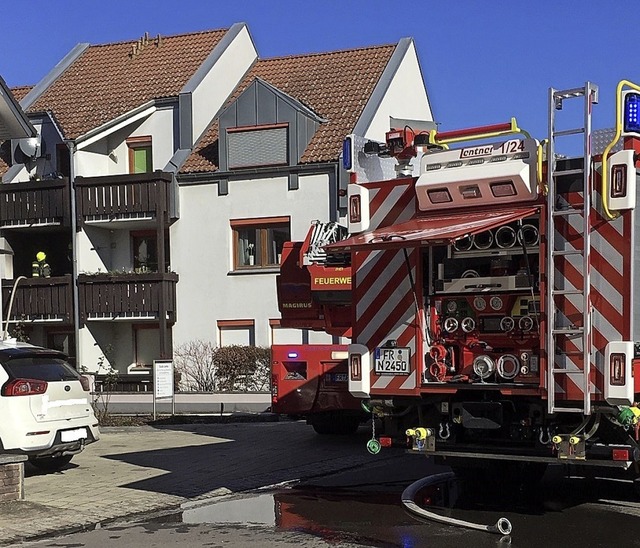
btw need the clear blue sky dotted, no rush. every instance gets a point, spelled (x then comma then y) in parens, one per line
(482, 62)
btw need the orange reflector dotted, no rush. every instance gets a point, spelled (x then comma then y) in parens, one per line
(385, 442)
(42, 433)
(620, 454)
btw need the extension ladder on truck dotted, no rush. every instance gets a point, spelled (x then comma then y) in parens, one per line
(568, 344)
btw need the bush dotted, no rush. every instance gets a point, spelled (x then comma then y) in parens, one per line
(243, 368)
(206, 368)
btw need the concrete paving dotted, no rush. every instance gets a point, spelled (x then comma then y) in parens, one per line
(137, 470)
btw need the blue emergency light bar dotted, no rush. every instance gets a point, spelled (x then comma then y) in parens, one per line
(347, 153)
(631, 122)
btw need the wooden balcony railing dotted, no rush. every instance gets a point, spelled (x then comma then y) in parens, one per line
(127, 296)
(35, 203)
(40, 300)
(140, 195)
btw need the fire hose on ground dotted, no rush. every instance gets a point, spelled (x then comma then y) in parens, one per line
(502, 526)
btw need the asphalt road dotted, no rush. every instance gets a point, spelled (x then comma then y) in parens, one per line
(279, 484)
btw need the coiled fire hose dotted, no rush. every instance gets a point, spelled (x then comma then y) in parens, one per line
(502, 526)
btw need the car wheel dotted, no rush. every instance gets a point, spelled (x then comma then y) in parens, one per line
(50, 464)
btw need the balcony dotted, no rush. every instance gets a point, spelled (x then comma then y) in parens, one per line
(140, 196)
(40, 300)
(36, 203)
(150, 296)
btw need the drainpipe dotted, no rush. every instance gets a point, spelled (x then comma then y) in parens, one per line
(74, 262)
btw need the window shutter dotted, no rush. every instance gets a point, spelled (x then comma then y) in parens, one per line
(260, 147)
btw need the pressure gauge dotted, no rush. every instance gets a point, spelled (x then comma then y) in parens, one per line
(496, 303)
(452, 306)
(479, 303)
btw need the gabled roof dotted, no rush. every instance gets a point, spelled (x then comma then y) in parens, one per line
(13, 122)
(107, 81)
(336, 86)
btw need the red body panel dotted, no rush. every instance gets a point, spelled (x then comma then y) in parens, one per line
(308, 379)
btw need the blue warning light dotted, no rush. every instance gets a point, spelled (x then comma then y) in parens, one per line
(347, 153)
(632, 113)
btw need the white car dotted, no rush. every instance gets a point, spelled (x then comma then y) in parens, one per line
(45, 405)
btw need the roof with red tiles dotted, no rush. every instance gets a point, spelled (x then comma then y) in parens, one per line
(19, 92)
(109, 80)
(335, 85)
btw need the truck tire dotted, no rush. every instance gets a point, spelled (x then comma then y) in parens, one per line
(50, 464)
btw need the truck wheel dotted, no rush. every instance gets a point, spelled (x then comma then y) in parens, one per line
(51, 464)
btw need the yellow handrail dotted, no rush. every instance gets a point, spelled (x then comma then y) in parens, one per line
(433, 138)
(607, 150)
(543, 188)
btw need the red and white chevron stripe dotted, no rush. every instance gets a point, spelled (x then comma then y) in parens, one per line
(384, 301)
(610, 265)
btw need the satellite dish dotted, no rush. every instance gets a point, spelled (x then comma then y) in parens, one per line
(29, 146)
(25, 150)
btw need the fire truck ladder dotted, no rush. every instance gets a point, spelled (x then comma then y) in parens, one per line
(565, 339)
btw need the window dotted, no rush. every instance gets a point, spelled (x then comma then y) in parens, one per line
(145, 251)
(63, 160)
(146, 344)
(140, 157)
(258, 242)
(240, 332)
(285, 335)
(64, 341)
(257, 146)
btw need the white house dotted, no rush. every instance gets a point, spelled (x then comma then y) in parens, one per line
(167, 173)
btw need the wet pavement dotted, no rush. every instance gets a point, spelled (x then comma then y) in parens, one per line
(280, 484)
(136, 470)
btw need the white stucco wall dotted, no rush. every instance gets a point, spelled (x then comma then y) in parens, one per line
(405, 98)
(108, 343)
(201, 252)
(212, 91)
(109, 155)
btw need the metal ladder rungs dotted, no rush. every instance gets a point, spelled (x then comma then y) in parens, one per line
(568, 331)
(568, 292)
(565, 132)
(566, 252)
(567, 212)
(569, 93)
(560, 212)
(570, 353)
(567, 410)
(560, 371)
(578, 171)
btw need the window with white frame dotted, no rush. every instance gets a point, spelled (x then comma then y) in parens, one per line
(236, 332)
(258, 243)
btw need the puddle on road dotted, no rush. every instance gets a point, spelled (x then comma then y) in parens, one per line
(550, 515)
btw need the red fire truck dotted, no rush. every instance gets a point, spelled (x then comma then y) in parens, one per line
(314, 293)
(492, 289)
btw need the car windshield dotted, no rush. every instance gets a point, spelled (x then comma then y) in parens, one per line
(42, 369)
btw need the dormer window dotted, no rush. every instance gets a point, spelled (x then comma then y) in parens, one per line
(140, 157)
(257, 146)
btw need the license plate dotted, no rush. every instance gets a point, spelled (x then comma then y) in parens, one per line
(73, 435)
(392, 361)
